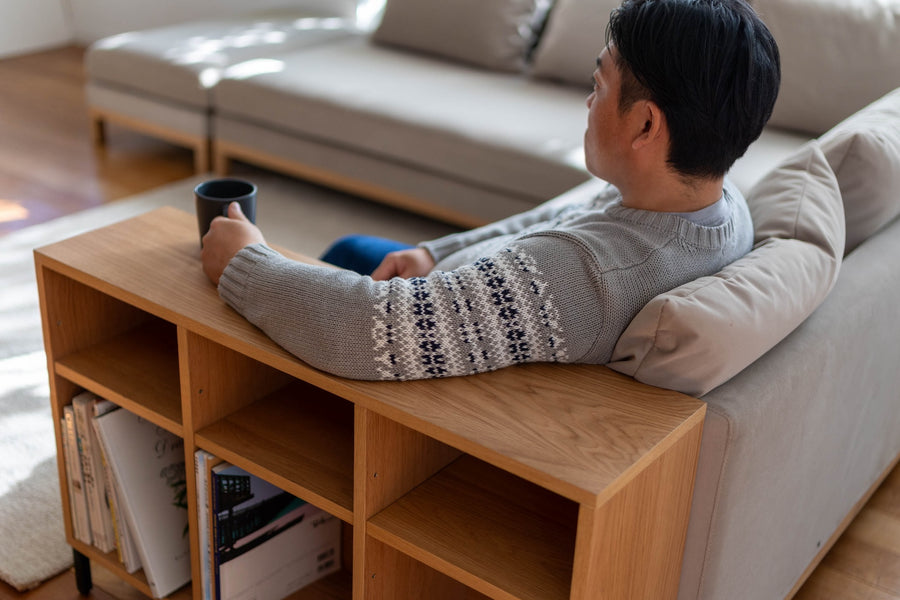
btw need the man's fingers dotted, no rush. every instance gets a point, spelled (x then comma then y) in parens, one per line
(235, 212)
(381, 273)
(386, 270)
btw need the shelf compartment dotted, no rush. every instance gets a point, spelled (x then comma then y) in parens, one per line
(337, 586)
(138, 370)
(393, 574)
(110, 561)
(497, 533)
(299, 438)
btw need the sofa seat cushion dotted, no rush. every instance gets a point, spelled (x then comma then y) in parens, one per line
(182, 62)
(495, 130)
(699, 335)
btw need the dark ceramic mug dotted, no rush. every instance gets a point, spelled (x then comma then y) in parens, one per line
(213, 197)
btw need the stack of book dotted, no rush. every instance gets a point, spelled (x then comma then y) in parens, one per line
(127, 490)
(128, 494)
(262, 542)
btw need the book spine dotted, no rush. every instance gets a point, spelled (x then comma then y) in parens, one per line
(92, 472)
(101, 407)
(113, 511)
(214, 530)
(203, 463)
(124, 543)
(130, 555)
(67, 461)
(82, 525)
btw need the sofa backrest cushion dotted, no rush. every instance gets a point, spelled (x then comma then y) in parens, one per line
(864, 153)
(574, 35)
(836, 56)
(699, 335)
(494, 34)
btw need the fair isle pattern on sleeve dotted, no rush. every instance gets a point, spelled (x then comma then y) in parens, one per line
(481, 317)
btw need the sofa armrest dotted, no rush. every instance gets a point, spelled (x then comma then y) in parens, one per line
(792, 443)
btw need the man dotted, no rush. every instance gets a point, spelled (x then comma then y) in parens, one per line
(680, 90)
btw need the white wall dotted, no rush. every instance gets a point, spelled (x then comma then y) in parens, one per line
(95, 19)
(30, 25)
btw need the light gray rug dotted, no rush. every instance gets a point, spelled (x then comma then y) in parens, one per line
(292, 214)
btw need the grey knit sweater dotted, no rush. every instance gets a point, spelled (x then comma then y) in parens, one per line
(558, 283)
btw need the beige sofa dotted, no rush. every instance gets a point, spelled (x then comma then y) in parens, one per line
(447, 110)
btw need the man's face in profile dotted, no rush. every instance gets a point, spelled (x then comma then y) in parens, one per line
(604, 140)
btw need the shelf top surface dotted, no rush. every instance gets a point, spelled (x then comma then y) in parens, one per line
(582, 431)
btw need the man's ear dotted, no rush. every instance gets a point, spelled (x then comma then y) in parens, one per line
(648, 124)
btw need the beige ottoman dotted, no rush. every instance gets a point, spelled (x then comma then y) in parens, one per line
(160, 81)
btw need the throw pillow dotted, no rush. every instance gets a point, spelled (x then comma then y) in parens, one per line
(864, 153)
(574, 36)
(697, 336)
(495, 34)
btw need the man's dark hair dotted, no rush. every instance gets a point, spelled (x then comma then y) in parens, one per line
(712, 67)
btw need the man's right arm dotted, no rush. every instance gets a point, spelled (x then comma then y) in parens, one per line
(447, 245)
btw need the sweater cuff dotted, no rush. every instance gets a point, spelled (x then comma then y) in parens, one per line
(233, 286)
(443, 247)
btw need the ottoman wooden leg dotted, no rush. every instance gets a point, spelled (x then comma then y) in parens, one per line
(201, 157)
(98, 128)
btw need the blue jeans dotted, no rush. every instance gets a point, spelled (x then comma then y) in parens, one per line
(361, 253)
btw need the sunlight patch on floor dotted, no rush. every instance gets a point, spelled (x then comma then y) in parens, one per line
(12, 211)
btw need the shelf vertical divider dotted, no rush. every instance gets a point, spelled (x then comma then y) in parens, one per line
(216, 380)
(642, 526)
(391, 459)
(185, 357)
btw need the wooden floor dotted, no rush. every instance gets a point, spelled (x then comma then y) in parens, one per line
(49, 168)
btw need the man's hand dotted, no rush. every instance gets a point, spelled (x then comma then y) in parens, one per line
(225, 238)
(415, 262)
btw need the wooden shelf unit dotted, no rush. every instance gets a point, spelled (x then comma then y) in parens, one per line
(537, 482)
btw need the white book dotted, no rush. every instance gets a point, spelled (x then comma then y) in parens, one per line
(203, 462)
(82, 523)
(303, 553)
(128, 553)
(269, 544)
(148, 464)
(67, 462)
(102, 532)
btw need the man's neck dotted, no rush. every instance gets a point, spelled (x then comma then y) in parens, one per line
(672, 193)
